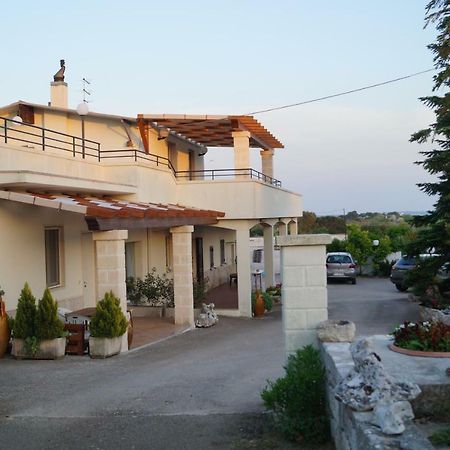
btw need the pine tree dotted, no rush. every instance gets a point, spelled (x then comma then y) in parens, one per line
(25, 321)
(435, 225)
(108, 320)
(48, 324)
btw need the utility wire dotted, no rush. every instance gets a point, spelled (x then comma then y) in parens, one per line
(292, 105)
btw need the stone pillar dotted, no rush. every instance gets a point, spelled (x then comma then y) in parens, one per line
(268, 256)
(182, 274)
(59, 94)
(304, 288)
(241, 141)
(282, 229)
(244, 271)
(110, 267)
(293, 229)
(267, 162)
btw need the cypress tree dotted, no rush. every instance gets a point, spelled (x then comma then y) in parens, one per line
(25, 320)
(48, 324)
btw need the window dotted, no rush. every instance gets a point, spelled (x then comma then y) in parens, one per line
(222, 252)
(257, 256)
(53, 256)
(211, 257)
(130, 267)
(169, 252)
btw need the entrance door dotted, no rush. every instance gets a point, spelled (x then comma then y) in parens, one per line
(88, 270)
(200, 273)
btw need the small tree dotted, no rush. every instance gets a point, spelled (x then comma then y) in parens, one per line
(108, 320)
(25, 320)
(359, 243)
(48, 324)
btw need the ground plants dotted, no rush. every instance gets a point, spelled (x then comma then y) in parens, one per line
(108, 320)
(298, 400)
(423, 336)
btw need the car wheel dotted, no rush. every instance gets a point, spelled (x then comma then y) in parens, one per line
(401, 287)
(353, 280)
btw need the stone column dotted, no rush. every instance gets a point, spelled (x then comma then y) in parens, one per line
(110, 267)
(267, 162)
(182, 274)
(282, 229)
(304, 288)
(244, 271)
(268, 256)
(293, 229)
(241, 145)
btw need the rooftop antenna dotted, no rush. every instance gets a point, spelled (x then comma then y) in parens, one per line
(85, 92)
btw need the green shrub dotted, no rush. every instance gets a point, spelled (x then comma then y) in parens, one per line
(441, 437)
(383, 268)
(108, 320)
(48, 325)
(298, 400)
(268, 302)
(134, 290)
(25, 321)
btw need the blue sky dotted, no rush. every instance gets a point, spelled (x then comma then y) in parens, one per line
(239, 56)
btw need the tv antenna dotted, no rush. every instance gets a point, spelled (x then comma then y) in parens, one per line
(85, 91)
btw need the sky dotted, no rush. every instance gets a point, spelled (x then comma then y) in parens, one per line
(238, 56)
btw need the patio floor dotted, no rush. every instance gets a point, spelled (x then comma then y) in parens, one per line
(147, 330)
(224, 296)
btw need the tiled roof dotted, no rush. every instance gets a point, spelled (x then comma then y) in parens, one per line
(113, 213)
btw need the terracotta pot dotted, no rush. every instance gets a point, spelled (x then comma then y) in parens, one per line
(259, 305)
(4, 329)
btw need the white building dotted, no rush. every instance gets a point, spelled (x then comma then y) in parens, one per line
(78, 192)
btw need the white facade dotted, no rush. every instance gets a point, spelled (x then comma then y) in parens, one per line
(116, 165)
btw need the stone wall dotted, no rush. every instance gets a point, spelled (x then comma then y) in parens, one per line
(352, 430)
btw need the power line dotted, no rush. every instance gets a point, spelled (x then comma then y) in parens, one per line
(371, 86)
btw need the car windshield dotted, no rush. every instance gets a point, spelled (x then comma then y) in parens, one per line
(407, 261)
(339, 259)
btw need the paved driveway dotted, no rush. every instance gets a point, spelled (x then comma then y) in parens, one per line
(199, 390)
(374, 304)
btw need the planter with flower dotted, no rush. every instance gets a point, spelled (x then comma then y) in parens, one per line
(4, 326)
(429, 339)
(107, 327)
(37, 331)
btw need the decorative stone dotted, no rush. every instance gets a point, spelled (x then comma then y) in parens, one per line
(435, 315)
(101, 347)
(390, 417)
(47, 349)
(336, 331)
(207, 317)
(369, 386)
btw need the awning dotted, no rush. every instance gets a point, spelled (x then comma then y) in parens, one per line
(214, 131)
(106, 213)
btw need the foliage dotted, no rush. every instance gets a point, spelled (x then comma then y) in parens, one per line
(200, 288)
(441, 437)
(358, 243)
(108, 320)
(154, 290)
(267, 299)
(384, 268)
(274, 290)
(435, 233)
(298, 400)
(310, 223)
(424, 336)
(31, 345)
(380, 252)
(48, 325)
(25, 321)
(256, 231)
(337, 246)
(2, 292)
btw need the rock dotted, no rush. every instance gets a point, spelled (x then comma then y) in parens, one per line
(390, 417)
(368, 386)
(434, 315)
(207, 317)
(336, 331)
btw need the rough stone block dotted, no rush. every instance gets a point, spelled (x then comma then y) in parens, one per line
(303, 256)
(294, 276)
(295, 319)
(315, 316)
(299, 338)
(306, 297)
(316, 276)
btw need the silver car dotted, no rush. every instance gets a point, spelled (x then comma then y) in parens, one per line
(341, 265)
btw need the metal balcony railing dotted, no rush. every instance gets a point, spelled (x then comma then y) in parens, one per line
(43, 138)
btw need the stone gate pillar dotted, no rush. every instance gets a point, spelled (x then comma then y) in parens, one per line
(304, 288)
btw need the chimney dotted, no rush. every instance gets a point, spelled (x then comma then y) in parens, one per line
(59, 89)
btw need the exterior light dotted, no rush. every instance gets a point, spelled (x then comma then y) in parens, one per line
(17, 120)
(83, 109)
(376, 243)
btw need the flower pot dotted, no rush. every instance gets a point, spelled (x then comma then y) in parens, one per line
(405, 351)
(47, 349)
(433, 315)
(4, 329)
(100, 347)
(259, 305)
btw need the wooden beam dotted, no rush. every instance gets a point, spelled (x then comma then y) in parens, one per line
(101, 224)
(143, 130)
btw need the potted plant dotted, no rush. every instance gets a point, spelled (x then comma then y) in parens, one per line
(107, 327)
(38, 333)
(4, 326)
